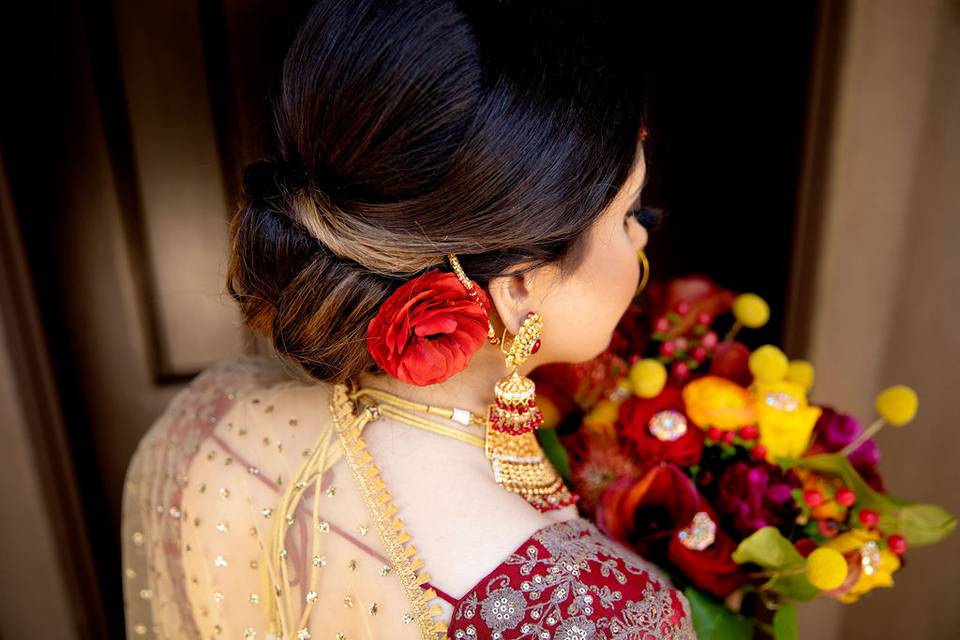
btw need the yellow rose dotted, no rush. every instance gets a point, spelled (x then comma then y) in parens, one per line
(882, 576)
(784, 418)
(712, 401)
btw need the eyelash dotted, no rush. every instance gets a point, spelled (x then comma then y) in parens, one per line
(649, 217)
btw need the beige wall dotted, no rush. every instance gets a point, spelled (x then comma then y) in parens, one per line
(886, 305)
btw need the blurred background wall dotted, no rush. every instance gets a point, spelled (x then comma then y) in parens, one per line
(885, 283)
(818, 141)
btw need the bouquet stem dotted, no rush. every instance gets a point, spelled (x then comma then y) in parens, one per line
(868, 433)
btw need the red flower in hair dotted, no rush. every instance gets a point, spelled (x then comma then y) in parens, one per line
(428, 329)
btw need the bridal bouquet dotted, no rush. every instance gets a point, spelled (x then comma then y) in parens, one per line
(708, 458)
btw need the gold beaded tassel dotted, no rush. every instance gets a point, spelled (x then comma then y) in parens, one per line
(511, 445)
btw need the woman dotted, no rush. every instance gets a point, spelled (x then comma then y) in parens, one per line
(450, 204)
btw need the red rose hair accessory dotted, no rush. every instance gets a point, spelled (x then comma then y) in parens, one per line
(429, 328)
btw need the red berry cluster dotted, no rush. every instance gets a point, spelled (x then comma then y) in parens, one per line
(847, 498)
(684, 353)
(745, 436)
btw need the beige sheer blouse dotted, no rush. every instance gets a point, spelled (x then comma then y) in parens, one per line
(205, 497)
(200, 496)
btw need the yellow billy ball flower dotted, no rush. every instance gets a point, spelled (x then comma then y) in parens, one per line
(604, 413)
(751, 310)
(768, 363)
(897, 404)
(648, 377)
(826, 568)
(801, 372)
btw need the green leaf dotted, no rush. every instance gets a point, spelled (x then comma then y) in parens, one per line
(785, 622)
(768, 548)
(919, 524)
(794, 586)
(554, 451)
(713, 621)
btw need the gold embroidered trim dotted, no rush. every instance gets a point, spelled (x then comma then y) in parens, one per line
(396, 540)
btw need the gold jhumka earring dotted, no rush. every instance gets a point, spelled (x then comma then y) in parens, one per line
(519, 464)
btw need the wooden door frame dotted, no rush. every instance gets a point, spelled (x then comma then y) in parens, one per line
(45, 426)
(812, 183)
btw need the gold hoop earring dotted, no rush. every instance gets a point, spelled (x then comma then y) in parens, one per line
(519, 464)
(645, 264)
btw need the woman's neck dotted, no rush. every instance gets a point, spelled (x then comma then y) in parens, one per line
(470, 389)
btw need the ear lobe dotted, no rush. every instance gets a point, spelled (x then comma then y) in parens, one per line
(510, 295)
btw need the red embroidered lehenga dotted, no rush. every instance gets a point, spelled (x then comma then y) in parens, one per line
(204, 498)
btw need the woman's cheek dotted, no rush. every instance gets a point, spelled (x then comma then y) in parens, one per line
(626, 277)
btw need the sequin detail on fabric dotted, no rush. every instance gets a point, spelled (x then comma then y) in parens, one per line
(570, 582)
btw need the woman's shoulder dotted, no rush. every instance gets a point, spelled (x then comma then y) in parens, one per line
(224, 412)
(194, 411)
(570, 580)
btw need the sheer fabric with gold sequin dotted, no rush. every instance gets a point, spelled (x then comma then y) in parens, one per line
(205, 497)
(201, 493)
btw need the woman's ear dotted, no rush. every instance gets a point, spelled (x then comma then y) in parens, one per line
(510, 295)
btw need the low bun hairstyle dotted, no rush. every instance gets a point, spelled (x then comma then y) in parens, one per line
(406, 130)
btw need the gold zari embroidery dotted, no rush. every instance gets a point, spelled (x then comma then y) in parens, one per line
(396, 540)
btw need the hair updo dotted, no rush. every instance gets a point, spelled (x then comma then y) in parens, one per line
(411, 129)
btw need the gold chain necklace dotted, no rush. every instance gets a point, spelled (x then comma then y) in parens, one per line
(518, 462)
(388, 404)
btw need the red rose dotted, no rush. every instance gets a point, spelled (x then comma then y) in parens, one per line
(635, 416)
(428, 329)
(712, 569)
(648, 513)
(645, 511)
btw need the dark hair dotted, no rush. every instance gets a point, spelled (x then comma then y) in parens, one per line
(411, 129)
